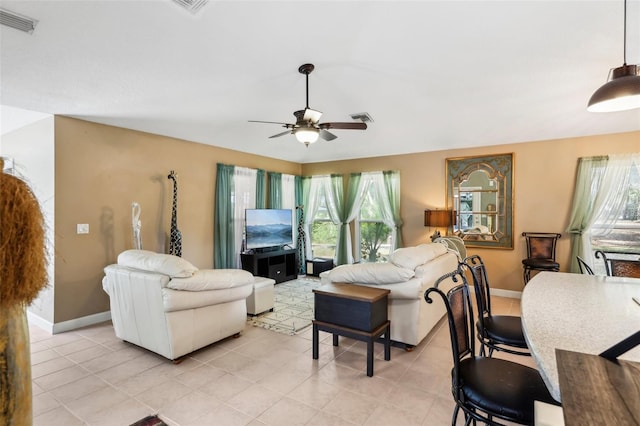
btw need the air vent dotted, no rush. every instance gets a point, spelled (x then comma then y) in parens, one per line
(362, 116)
(192, 6)
(17, 21)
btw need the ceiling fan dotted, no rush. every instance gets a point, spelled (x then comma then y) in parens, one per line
(307, 128)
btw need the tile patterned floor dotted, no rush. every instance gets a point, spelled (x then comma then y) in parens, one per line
(89, 377)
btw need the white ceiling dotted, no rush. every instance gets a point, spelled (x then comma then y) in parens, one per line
(433, 74)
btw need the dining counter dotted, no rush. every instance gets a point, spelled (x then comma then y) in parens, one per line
(579, 313)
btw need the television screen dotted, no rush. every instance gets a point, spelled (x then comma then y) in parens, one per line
(268, 228)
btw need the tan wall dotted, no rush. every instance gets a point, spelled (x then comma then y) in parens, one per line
(544, 179)
(100, 171)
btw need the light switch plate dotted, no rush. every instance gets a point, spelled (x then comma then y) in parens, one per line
(82, 228)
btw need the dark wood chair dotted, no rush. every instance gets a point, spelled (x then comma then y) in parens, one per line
(618, 267)
(541, 253)
(485, 388)
(497, 332)
(584, 266)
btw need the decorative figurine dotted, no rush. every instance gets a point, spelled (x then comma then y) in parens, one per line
(175, 242)
(136, 223)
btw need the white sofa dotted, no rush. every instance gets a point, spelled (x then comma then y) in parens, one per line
(166, 305)
(408, 274)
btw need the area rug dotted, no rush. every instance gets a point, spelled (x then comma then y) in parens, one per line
(150, 421)
(293, 307)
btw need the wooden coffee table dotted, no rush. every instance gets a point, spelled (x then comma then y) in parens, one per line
(353, 311)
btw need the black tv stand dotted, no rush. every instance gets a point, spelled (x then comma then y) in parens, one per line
(266, 249)
(278, 264)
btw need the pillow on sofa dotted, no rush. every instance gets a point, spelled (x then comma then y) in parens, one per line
(166, 264)
(212, 279)
(370, 273)
(412, 257)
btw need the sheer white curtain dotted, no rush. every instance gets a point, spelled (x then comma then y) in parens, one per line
(601, 192)
(363, 183)
(612, 195)
(317, 188)
(244, 197)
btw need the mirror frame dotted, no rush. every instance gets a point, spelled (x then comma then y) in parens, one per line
(498, 167)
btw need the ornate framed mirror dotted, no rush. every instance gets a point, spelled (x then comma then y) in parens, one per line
(479, 190)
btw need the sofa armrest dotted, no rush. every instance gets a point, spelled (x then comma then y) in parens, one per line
(431, 271)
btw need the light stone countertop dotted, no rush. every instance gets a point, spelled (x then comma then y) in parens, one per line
(580, 313)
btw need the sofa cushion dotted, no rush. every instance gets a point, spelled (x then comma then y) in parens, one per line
(370, 273)
(412, 257)
(176, 300)
(212, 279)
(166, 264)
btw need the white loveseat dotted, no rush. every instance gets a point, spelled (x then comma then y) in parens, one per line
(166, 305)
(408, 274)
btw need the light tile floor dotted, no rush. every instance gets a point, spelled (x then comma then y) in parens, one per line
(88, 376)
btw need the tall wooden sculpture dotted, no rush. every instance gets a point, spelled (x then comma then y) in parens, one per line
(175, 241)
(23, 273)
(302, 242)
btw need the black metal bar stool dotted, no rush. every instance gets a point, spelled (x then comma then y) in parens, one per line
(541, 253)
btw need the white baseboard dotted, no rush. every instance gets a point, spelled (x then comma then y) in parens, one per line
(500, 292)
(73, 324)
(506, 293)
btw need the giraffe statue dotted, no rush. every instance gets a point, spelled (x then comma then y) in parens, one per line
(302, 243)
(175, 241)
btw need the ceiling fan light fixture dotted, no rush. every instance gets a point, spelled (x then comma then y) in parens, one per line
(620, 93)
(306, 135)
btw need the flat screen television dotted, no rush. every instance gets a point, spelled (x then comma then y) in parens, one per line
(268, 228)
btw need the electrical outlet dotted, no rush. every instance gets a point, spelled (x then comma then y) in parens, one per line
(82, 228)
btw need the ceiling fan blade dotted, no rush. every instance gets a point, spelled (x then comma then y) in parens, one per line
(312, 115)
(280, 134)
(326, 135)
(271, 122)
(351, 126)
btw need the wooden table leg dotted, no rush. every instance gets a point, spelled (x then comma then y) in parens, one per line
(387, 342)
(315, 341)
(370, 357)
(335, 339)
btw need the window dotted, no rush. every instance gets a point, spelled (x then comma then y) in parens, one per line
(324, 233)
(605, 212)
(373, 236)
(624, 234)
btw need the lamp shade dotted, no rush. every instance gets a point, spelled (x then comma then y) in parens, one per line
(620, 93)
(439, 218)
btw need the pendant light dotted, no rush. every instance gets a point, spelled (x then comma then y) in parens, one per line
(622, 90)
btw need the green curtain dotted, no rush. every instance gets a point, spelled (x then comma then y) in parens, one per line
(352, 196)
(223, 238)
(392, 185)
(343, 245)
(275, 190)
(260, 189)
(589, 178)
